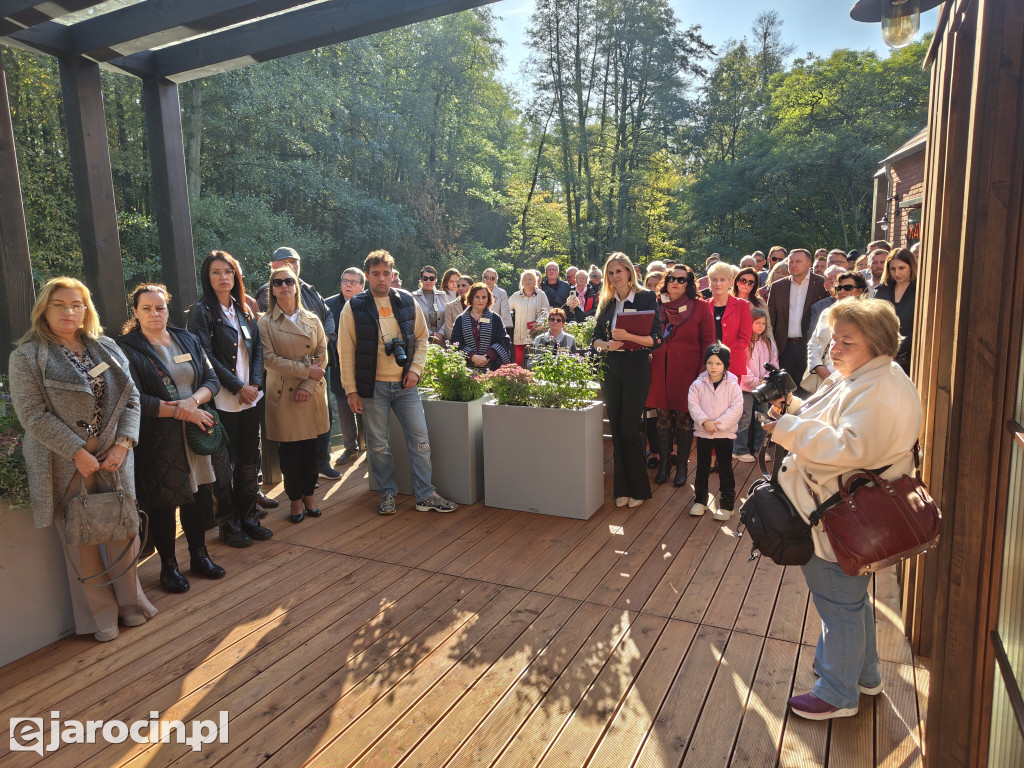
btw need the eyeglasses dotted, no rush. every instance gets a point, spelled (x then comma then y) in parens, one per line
(846, 287)
(63, 309)
(745, 281)
(674, 279)
(349, 281)
(428, 278)
(279, 281)
(555, 320)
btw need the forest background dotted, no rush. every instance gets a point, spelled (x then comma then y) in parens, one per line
(629, 132)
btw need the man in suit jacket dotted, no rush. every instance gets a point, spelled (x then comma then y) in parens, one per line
(789, 310)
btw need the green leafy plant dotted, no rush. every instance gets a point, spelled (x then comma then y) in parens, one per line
(13, 474)
(582, 332)
(446, 374)
(510, 385)
(565, 380)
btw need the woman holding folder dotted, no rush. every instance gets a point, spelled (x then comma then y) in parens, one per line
(628, 330)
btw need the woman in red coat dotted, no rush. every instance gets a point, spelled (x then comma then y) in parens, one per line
(688, 329)
(731, 316)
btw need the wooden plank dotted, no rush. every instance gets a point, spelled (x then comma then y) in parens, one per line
(433, 671)
(626, 734)
(732, 590)
(669, 739)
(488, 543)
(892, 643)
(471, 537)
(851, 739)
(720, 720)
(534, 572)
(417, 556)
(17, 293)
(407, 733)
(803, 741)
(791, 607)
(532, 741)
(702, 587)
(89, 156)
(508, 715)
(921, 683)
(757, 745)
(684, 565)
(453, 730)
(170, 193)
(897, 736)
(515, 547)
(759, 604)
(651, 574)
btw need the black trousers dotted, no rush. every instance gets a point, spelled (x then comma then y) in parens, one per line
(195, 519)
(299, 467)
(243, 429)
(627, 379)
(794, 360)
(722, 448)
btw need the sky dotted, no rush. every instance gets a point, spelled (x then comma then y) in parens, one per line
(813, 26)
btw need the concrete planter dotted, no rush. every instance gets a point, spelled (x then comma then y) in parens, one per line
(456, 449)
(34, 599)
(544, 460)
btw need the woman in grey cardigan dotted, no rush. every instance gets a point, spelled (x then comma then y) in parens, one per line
(80, 410)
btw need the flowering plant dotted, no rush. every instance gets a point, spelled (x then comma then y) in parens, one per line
(13, 474)
(566, 380)
(510, 385)
(446, 374)
(582, 332)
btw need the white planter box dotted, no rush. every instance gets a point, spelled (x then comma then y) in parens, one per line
(35, 601)
(456, 449)
(544, 460)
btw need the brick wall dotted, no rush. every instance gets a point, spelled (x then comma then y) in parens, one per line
(907, 176)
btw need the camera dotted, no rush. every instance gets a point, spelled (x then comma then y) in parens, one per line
(396, 347)
(776, 384)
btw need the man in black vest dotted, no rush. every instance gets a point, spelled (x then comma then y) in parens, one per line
(382, 343)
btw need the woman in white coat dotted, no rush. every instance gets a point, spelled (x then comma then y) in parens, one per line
(865, 415)
(528, 305)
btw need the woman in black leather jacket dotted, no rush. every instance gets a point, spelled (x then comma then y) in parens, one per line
(231, 339)
(174, 378)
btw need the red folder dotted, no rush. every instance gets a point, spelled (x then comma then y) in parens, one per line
(638, 323)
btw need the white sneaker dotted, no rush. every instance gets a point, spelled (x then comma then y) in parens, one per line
(634, 503)
(744, 457)
(697, 510)
(722, 514)
(872, 691)
(621, 501)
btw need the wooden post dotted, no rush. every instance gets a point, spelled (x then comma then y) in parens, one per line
(170, 192)
(17, 294)
(94, 188)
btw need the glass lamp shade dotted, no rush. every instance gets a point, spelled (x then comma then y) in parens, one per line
(901, 21)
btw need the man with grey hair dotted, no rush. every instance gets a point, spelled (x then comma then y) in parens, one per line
(748, 261)
(352, 282)
(500, 307)
(314, 302)
(831, 275)
(556, 290)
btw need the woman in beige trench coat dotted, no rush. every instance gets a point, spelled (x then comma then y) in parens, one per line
(294, 355)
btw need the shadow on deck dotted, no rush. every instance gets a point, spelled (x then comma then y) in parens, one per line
(485, 637)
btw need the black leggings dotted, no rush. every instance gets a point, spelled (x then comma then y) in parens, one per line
(722, 448)
(195, 519)
(299, 466)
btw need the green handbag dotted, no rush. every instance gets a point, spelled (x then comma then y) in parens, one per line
(205, 441)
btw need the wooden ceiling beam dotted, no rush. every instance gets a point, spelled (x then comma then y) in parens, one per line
(25, 14)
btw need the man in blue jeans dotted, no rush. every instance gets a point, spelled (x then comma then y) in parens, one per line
(382, 343)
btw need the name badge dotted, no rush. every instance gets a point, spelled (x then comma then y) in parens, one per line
(485, 320)
(628, 309)
(245, 332)
(185, 358)
(98, 370)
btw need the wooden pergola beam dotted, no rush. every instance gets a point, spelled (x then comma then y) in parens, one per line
(22, 14)
(94, 187)
(170, 192)
(301, 30)
(17, 293)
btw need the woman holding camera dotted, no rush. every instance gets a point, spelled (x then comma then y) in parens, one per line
(479, 333)
(294, 355)
(866, 415)
(627, 375)
(688, 329)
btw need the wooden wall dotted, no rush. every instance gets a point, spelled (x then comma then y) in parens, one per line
(970, 295)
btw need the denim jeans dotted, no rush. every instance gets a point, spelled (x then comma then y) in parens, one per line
(389, 396)
(846, 654)
(740, 445)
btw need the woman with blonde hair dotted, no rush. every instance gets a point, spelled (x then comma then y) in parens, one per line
(528, 304)
(627, 374)
(80, 410)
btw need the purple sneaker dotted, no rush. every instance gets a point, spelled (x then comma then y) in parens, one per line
(811, 707)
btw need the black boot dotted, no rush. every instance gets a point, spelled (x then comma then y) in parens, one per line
(665, 448)
(224, 513)
(651, 428)
(201, 564)
(684, 441)
(170, 576)
(246, 495)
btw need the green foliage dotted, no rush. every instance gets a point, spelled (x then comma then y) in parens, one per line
(446, 374)
(565, 379)
(510, 385)
(582, 332)
(13, 473)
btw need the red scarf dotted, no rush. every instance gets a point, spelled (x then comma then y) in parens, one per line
(677, 312)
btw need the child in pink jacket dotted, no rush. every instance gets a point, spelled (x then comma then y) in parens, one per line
(716, 405)
(762, 350)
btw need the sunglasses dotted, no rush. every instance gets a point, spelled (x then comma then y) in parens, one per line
(774, 259)
(428, 278)
(555, 320)
(846, 287)
(279, 281)
(674, 279)
(745, 281)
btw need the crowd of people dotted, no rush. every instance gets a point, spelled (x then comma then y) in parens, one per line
(681, 355)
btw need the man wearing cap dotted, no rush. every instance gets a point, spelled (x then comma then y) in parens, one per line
(314, 302)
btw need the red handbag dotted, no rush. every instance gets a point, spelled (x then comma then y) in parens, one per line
(873, 523)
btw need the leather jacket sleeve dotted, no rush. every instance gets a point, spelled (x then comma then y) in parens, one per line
(200, 325)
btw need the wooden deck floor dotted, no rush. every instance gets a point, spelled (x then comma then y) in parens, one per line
(485, 638)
